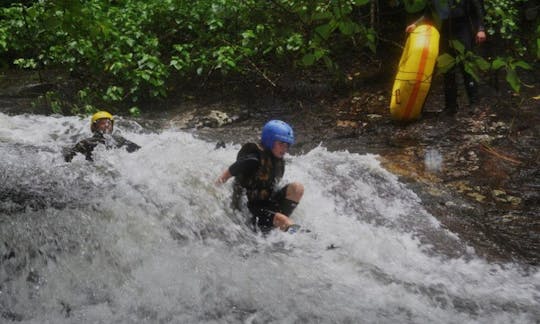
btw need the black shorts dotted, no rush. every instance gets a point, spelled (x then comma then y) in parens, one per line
(264, 211)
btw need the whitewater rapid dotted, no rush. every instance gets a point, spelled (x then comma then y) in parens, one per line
(146, 237)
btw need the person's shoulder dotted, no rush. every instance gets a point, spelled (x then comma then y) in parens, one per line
(89, 140)
(249, 149)
(252, 145)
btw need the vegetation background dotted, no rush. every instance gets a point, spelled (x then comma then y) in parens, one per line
(122, 53)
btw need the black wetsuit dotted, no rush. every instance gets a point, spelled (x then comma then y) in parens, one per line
(257, 172)
(460, 20)
(465, 19)
(87, 145)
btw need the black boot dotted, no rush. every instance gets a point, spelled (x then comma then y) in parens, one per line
(472, 91)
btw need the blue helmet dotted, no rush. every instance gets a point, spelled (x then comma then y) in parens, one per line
(276, 130)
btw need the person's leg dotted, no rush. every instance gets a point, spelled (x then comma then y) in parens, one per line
(450, 86)
(263, 215)
(450, 91)
(282, 222)
(470, 87)
(465, 35)
(289, 197)
(267, 214)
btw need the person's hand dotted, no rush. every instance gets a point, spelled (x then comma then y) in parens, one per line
(223, 178)
(480, 37)
(220, 181)
(410, 28)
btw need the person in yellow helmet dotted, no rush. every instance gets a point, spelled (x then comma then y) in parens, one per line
(101, 125)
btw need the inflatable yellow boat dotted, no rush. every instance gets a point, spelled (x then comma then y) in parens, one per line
(414, 73)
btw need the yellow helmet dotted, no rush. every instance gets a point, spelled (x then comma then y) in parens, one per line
(100, 115)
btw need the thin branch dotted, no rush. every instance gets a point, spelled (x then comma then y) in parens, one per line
(488, 149)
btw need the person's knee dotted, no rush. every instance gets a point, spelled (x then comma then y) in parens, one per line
(295, 191)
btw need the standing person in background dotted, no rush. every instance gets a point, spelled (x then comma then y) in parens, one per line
(101, 125)
(258, 169)
(461, 20)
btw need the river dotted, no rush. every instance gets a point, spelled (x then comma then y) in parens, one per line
(147, 237)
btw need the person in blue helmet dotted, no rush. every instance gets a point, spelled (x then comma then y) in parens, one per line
(257, 170)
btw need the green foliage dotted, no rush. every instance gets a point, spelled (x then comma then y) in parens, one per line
(414, 6)
(503, 22)
(127, 50)
(135, 111)
(472, 63)
(475, 64)
(504, 26)
(510, 65)
(502, 19)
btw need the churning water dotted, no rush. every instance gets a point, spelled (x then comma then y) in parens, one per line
(146, 237)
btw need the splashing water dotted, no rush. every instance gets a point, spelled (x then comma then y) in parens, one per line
(147, 238)
(433, 160)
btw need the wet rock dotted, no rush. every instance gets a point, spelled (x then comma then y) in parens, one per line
(214, 119)
(220, 144)
(346, 123)
(374, 117)
(477, 196)
(33, 277)
(28, 90)
(11, 316)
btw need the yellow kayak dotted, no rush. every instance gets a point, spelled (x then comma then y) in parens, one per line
(414, 73)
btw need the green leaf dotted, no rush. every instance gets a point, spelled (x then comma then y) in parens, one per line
(498, 63)
(445, 62)
(318, 53)
(248, 34)
(414, 6)
(522, 64)
(135, 111)
(512, 79)
(469, 68)
(325, 30)
(325, 15)
(458, 46)
(347, 27)
(482, 64)
(308, 59)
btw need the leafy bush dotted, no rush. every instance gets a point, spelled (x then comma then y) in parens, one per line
(127, 50)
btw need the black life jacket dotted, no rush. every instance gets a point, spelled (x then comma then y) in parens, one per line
(261, 184)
